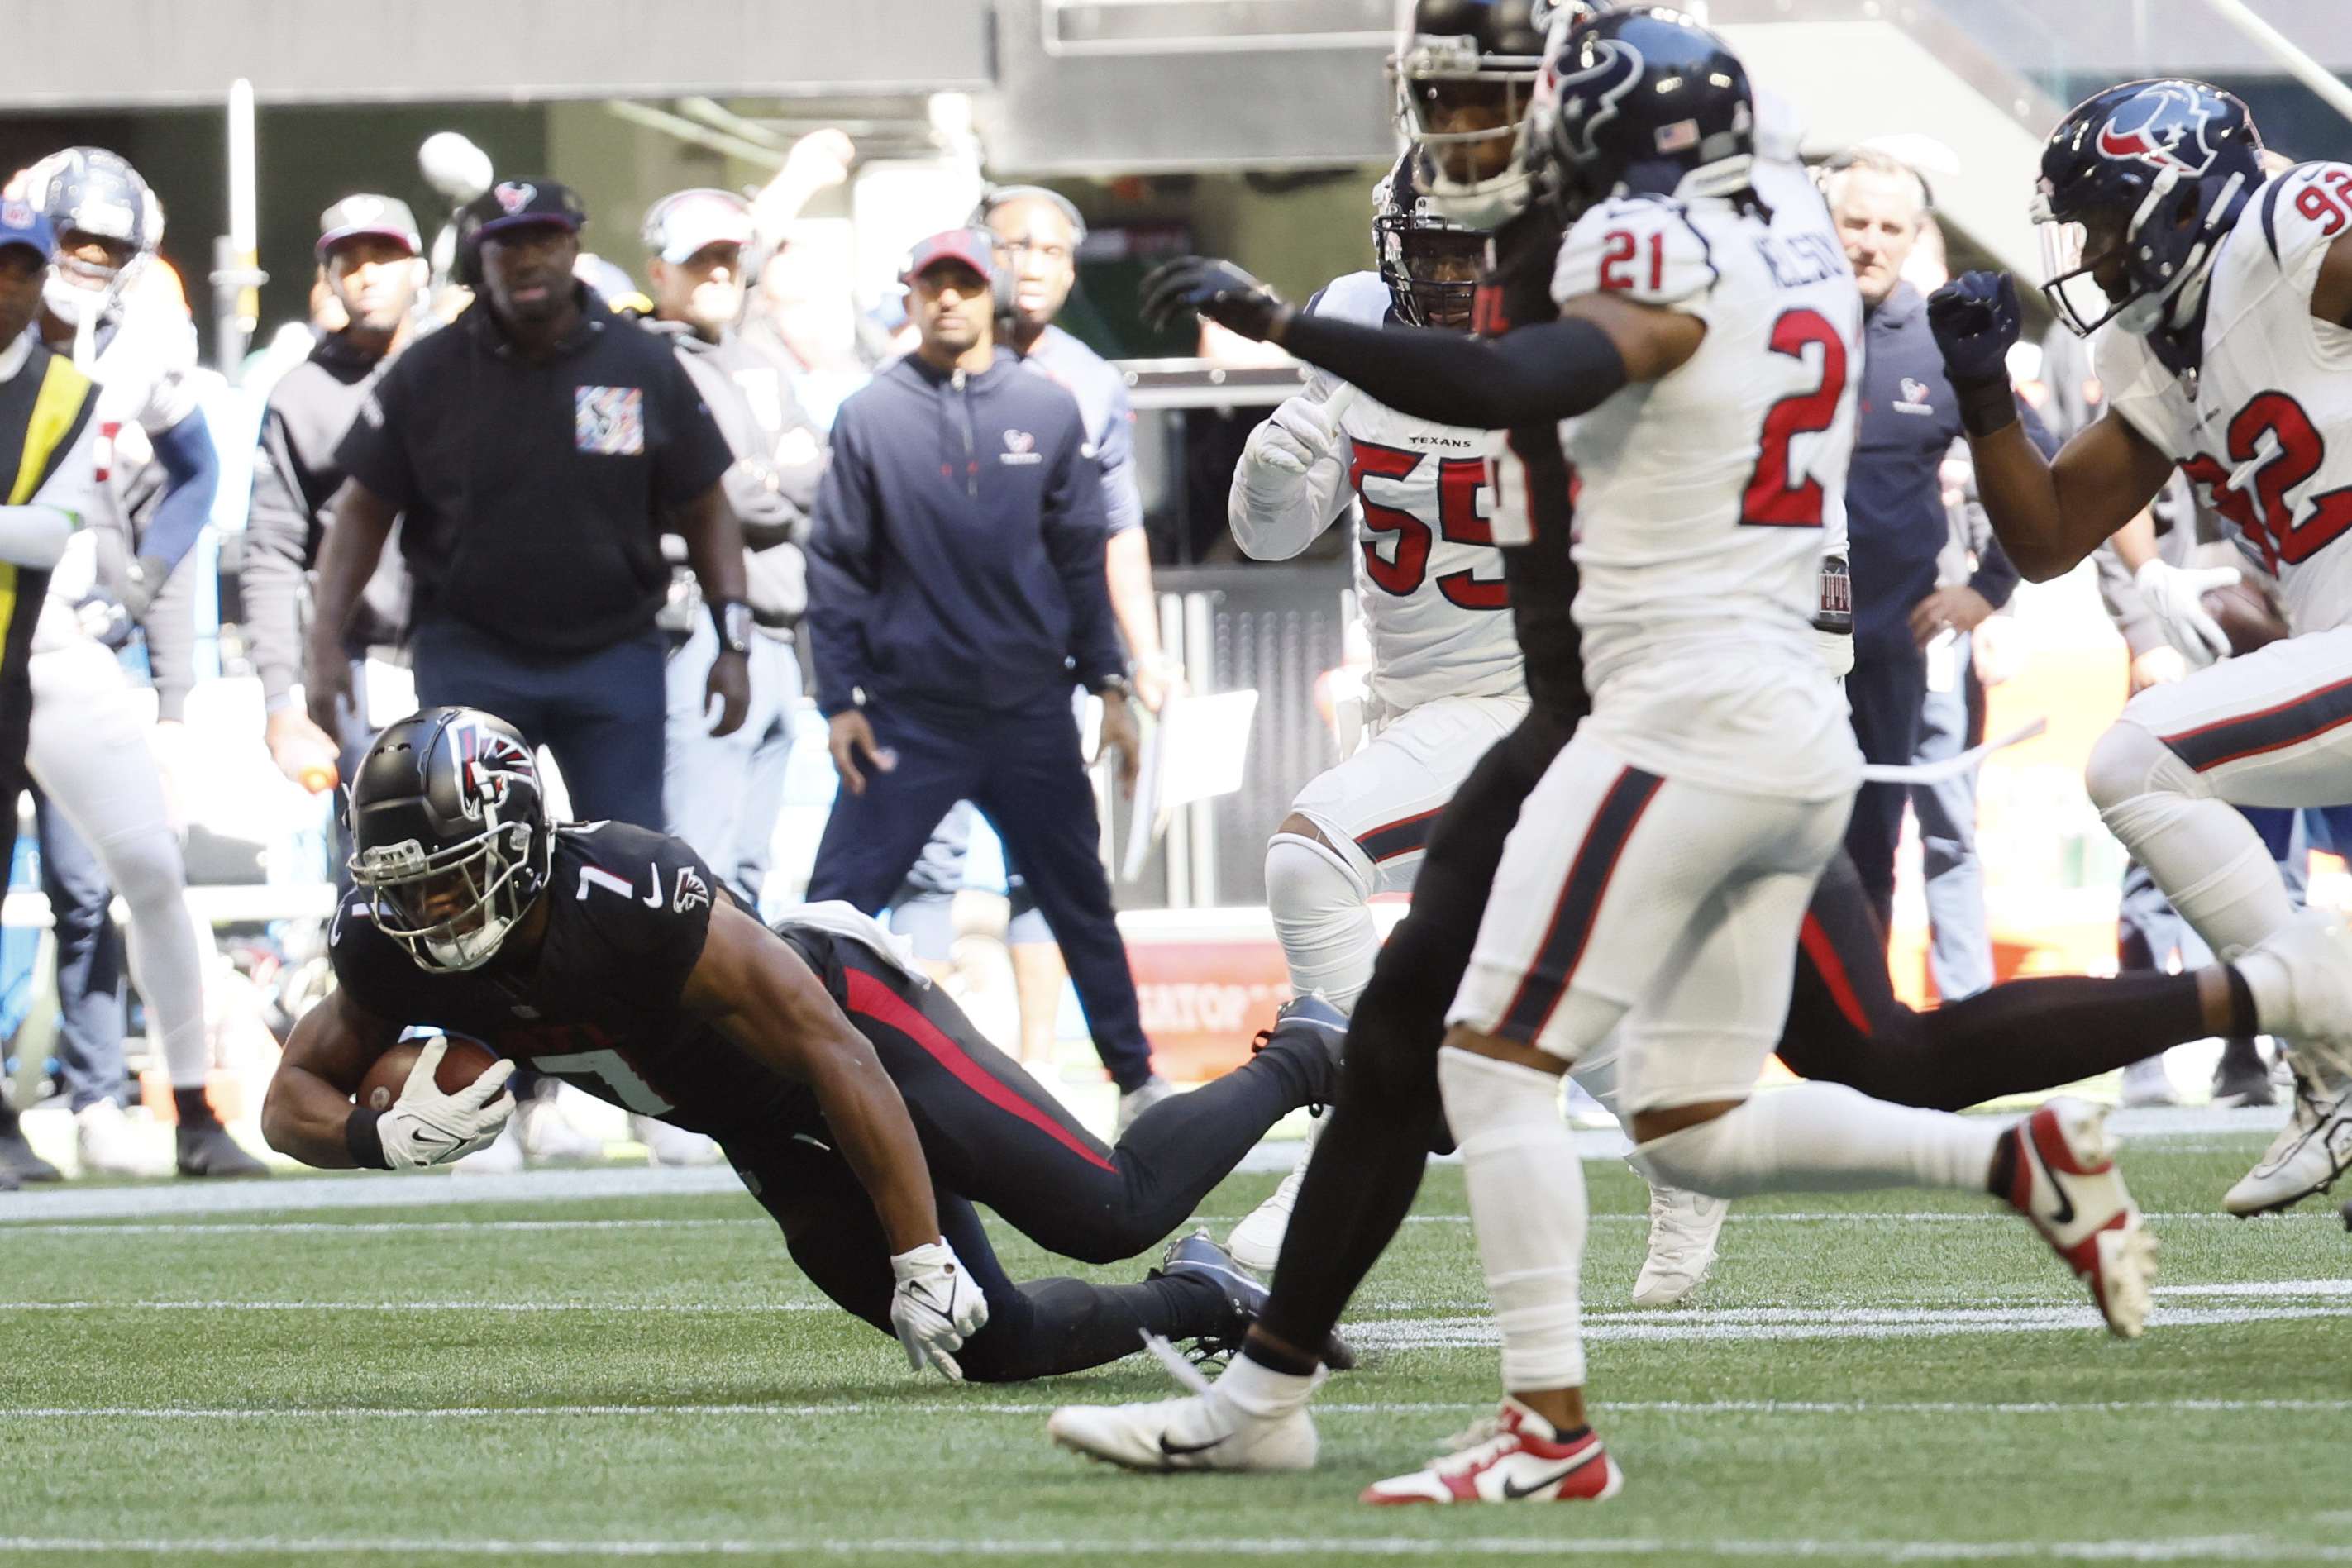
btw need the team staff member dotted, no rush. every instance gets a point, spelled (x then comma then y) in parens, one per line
(1896, 526)
(721, 793)
(539, 449)
(373, 257)
(50, 464)
(957, 591)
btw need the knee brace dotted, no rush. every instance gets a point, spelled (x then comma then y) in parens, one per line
(1321, 916)
(2128, 761)
(2202, 851)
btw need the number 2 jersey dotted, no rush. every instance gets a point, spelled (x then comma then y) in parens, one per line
(628, 910)
(1709, 497)
(2263, 425)
(1428, 577)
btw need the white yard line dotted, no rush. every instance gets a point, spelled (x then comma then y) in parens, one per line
(2202, 1549)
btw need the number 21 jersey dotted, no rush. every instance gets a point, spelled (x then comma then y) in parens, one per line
(1710, 496)
(2264, 427)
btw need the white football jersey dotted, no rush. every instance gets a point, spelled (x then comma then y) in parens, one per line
(1428, 577)
(2264, 427)
(1708, 497)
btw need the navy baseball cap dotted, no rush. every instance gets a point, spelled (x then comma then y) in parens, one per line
(21, 223)
(369, 214)
(513, 203)
(970, 246)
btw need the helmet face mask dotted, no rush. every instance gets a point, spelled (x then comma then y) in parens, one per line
(1431, 264)
(450, 836)
(90, 194)
(1464, 73)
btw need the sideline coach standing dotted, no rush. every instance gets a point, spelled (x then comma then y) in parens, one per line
(539, 449)
(956, 593)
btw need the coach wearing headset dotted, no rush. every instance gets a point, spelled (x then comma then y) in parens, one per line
(956, 593)
(539, 448)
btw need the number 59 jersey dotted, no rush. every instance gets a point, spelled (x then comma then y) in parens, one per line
(1710, 496)
(2264, 427)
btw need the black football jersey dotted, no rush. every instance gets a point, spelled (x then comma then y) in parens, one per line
(1517, 292)
(627, 914)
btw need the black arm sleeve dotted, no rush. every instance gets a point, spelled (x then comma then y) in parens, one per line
(1555, 370)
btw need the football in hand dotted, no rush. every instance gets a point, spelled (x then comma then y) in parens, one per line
(462, 1063)
(2245, 616)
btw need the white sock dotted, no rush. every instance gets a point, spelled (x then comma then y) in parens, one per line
(1321, 918)
(1822, 1137)
(1256, 1389)
(1527, 1200)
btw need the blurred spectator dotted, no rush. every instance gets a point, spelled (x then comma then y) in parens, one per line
(956, 595)
(1898, 528)
(534, 451)
(373, 270)
(721, 793)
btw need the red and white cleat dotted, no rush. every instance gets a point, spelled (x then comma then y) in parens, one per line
(2057, 1167)
(1509, 1458)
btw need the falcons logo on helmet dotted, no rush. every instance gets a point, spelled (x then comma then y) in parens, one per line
(488, 762)
(2164, 126)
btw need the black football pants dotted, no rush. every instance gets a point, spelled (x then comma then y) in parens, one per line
(1844, 1026)
(993, 1136)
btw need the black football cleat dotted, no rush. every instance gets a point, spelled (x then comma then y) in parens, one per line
(210, 1153)
(19, 1164)
(1198, 1255)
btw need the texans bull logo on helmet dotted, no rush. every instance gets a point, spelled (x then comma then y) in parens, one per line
(1587, 100)
(2165, 126)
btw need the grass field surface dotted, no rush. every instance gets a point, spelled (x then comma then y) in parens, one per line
(1879, 1378)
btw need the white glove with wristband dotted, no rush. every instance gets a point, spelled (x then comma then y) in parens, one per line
(2175, 595)
(936, 1307)
(426, 1128)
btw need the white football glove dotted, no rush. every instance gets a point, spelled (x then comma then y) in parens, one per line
(426, 1128)
(935, 1306)
(2175, 596)
(1298, 436)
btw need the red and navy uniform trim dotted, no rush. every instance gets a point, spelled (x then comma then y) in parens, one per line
(1580, 904)
(1401, 837)
(1815, 942)
(2290, 723)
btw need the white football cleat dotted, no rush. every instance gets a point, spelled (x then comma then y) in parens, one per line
(1256, 1241)
(1509, 1458)
(502, 1157)
(107, 1144)
(548, 1139)
(2310, 1152)
(1204, 1430)
(2058, 1170)
(1683, 1229)
(668, 1146)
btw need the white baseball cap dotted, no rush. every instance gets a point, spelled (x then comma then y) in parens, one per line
(680, 226)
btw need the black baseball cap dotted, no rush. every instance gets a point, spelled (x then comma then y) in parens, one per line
(513, 203)
(976, 248)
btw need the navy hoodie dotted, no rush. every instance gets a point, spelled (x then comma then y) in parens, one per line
(956, 554)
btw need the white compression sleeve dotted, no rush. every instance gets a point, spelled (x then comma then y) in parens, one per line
(1323, 919)
(33, 535)
(1822, 1137)
(1527, 1200)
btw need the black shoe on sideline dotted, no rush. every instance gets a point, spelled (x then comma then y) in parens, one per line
(19, 1164)
(210, 1152)
(2241, 1078)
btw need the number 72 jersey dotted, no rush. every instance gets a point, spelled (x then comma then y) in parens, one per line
(2264, 426)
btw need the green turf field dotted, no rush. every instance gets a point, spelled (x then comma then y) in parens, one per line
(1870, 1378)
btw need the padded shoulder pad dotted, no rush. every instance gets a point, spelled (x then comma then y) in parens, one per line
(2301, 213)
(1642, 247)
(1359, 296)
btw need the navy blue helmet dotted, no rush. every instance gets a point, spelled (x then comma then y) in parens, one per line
(1464, 74)
(1642, 101)
(1430, 263)
(2139, 183)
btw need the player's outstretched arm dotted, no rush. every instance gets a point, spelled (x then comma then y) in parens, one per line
(1292, 481)
(2049, 514)
(309, 1105)
(756, 991)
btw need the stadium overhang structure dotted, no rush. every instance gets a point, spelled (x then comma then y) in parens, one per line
(187, 52)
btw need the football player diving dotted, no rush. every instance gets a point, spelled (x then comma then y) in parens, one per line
(860, 1107)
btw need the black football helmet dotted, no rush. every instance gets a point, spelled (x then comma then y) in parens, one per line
(100, 193)
(2150, 175)
(449, 834)
(1430, 263)
(1642, 101)
(1464, 73)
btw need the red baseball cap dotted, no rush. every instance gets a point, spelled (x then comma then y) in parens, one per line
(970, 246)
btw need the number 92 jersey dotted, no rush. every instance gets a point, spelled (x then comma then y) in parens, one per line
(2264, 426)
(628, 910)
(1710, 496)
